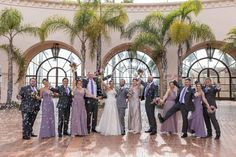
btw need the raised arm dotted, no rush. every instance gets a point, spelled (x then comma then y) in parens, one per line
(166, 95)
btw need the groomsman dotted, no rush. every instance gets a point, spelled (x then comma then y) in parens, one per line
(210, 117)
(63, 105)
(150, 93)
(30, 105)
(184, 103)
(93, 85)
(122, 104)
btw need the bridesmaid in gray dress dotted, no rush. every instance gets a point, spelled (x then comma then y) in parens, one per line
(134, 115)
(47, 128)
(170, 125)
(196, 120)
(79, 114)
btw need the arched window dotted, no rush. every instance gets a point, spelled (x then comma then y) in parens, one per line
(219, 66)
(53, 67)
(125, 65)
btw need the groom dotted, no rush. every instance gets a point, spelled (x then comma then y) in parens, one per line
(121, 104)
(93, 85)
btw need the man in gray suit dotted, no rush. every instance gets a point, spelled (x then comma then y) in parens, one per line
(121, 104)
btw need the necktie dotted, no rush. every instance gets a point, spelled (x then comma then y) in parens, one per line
(183, 92)
(33, 89)
(92, 90)
(146, 90)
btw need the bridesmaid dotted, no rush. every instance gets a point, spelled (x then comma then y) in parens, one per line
(170, 125)
(134, 115)
(79, 114)
(47, 128)
(196, 120)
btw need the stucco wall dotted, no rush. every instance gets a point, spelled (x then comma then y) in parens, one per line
(219, 15)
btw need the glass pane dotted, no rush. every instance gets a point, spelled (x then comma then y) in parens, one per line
(127, 69)
(45, 66)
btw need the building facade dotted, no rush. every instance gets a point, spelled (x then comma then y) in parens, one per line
(198, 62)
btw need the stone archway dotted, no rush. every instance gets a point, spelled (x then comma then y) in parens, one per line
(126, 46)
(39, 47)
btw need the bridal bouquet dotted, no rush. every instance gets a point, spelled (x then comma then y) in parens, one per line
(159, 103)
(130, 93)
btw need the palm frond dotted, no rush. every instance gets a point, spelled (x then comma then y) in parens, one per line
(53, 24)
(201, 32)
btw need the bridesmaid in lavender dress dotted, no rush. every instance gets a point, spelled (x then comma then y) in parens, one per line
(134, 115)
(170, 125)
(196, 120)
(79, 114)
(47, 128)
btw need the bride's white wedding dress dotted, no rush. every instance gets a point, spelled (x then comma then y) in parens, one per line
(109, 123)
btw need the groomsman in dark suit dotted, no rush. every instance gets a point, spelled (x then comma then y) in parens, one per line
(150, 93)
(210, 117)
(63, 105)
(184, 103)
(93, 85)
(30, 105)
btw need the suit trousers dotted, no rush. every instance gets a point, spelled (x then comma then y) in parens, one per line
(92, 111)
(121, 112)
(63, 119)
(211, 118)
(184, 113)
(28, 119)
(150, 111)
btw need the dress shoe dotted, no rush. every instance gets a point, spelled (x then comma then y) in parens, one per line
(33, 135)
(123, 133)
(93, 130)
(153, 133)
(26, 138)
(184, 135)
(209, 135)
(148, 131)
(161, 119)
(66, 134)
(59, 135)
(217, 137)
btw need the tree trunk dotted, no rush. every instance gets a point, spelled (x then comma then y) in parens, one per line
(83, 59)
(180, 63)
(164, 72)
(99, 52)
(10, 75)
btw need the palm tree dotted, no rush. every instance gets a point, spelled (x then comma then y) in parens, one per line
(11, 26)
(184, 30)
(152, 32)
(111, 16)
(230, 46)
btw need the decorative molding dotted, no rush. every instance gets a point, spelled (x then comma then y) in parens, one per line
(130, 7)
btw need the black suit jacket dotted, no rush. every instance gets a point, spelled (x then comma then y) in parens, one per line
(151, 93)
(188, 98)
(210, 94)
(65, 100)
(98, 83)
(28, 102)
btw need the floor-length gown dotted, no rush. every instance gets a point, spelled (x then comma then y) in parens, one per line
(79, 114)
(134, 115)
(170, 125)
(47, 128)
(109, 123)
(196, 120)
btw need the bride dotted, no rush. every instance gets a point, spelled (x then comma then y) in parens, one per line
(109, 123)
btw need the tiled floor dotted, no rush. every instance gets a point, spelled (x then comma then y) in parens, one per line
(130, 145)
